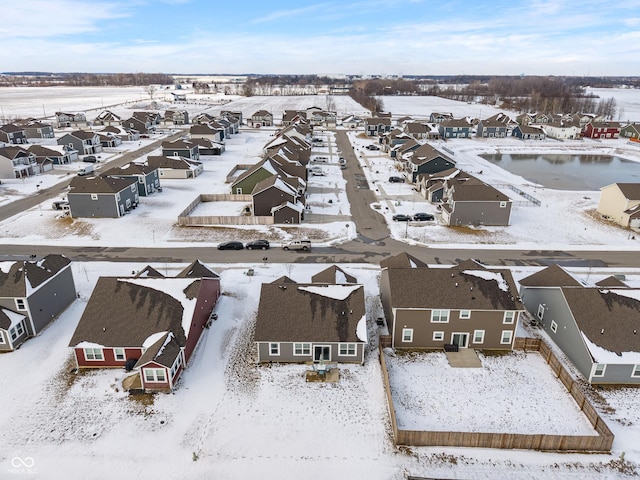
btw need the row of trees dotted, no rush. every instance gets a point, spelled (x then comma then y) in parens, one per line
(84, 79)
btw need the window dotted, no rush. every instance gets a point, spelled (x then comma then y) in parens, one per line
(154, 375)
(438, 336)
(94, 196)
(134, 188)
(118, 353)
(478, 336)
(554, 326)
(635, 373)
(507, 336)
(93, 354)
(20, 305)
(17, 331)
(439, 316)
(407, 334)
(274, 349)
(176, 365)
(348, 349)
(465, 314)
(509, 317)
(302, 349)
(599, 369)
(540, 313)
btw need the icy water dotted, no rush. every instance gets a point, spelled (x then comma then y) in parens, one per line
(569, 172)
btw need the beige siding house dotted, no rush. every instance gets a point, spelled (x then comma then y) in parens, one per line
(620, 202)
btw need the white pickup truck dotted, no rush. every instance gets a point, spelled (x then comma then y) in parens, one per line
(304, 245)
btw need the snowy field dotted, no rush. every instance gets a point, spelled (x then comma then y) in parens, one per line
(429, 394)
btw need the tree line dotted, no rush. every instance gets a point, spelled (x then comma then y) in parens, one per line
(39, 79)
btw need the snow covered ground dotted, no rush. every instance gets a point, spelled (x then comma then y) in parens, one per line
(232, 419)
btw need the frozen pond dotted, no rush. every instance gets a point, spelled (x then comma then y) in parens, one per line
(569, 172)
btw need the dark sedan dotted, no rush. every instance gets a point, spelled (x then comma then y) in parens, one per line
(423, 217)
(231, 246)
(401, 217)
(258, 245)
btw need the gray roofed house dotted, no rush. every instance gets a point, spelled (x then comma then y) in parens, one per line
(426, 159)
(13, 134)
(322, 323)
(466, 305)
(102, 196)
(333, 274)
(455, 128)
(16, 162)
(85, 142)
(38, 129)
(403, 260)
(32, 294)
(175, 167)
(148, 323)
(147, 177)
(181, 148)
(472, 202)
(595, 326)
(58, 157)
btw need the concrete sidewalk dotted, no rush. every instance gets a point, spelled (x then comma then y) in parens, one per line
(464, 358)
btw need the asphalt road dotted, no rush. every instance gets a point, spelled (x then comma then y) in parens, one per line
(372, 244)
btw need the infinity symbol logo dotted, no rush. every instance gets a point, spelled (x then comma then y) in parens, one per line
(27, 462)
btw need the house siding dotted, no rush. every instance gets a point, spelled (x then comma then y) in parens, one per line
(480, 213)
(248, 183)
(436, 165)
(420, 321)
(51, 298)
(264, 201)
(109, 357)
(287, 356)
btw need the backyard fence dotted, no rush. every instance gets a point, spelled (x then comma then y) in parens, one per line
(186, 220)
(601, 442)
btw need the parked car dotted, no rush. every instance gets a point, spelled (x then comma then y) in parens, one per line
(423, 217)
(318, 172)
(60, 205)
(343, 167)
(372, 147)
(342, 161)
(90, 159)
(320, 159)
(393, 179)
(231, 246)
(86, 170)
(401, 217)
(303, 245)
(317, 140)
(258, 245)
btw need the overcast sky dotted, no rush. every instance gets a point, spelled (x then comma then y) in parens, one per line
(385, 37)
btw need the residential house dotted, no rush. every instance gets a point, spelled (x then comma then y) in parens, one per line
(439, 117)
(402, 148)
(16, 162)
(147, 178)
(125, 135)
(175, 166)
(261, 118)
(109, 141)
(150, 325)
(141, 122)
(352, 122)
(467, 305)
(75, 120)
(234, 117)
(102, 196)
(290, 117)
(426, 159)
(207, 131)
(203, 119)
(181, 148)
(324, 119)
(631, 131)
(273, 192)
(12, 134)
(620, 202)
(536, 118)
(455, 128)
(247, 181)
(419, 130)
(37, 129)
(595, 326)
(377, 126)
(562, 130)
(391, 140)
(176, 117)
(32, 294)
(85, 142)
(288, 212)
(601, 130)
(107, 118)
(432, 186)
(333, 275)
(207, 146)
(58, 155)
(491, 128)
(469, 201)
(529, 132)
(322, 322)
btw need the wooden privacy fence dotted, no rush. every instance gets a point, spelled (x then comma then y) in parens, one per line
(601, 442)
(186, 220)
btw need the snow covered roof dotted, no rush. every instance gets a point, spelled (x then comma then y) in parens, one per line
(23, 278)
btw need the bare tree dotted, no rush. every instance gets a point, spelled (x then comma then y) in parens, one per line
(151, 90)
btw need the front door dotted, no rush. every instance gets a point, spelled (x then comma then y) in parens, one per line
(321, 352)
(460, 339)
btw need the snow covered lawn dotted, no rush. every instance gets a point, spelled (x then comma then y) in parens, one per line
(511, 393)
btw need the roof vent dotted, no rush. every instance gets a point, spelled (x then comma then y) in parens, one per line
(471, 290)
(601, 331)
(456, 284)
(104, 329)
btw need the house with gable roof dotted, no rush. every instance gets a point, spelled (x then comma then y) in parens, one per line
(76, 120)
(377, 125)
(333, 274)
(147, 178)
(601, 130)
(181, 148)
(125, 135)
(261, 118)
(13, 134)
(529, 132)
(207, 131)
(148, 323)
(620, 202)
(107, 118)
(455, 128)
(595, 326)
(469, 201)
(630, 131)
(466, 305)
(37, 129)
(323, 322)
(426, 159)
(85, 142)
(439, 117)
(247, 181)
(32, 294)
(273, 192)
(16, 162)
(102, 196)
(58, 155)
(175, 166)
(208, 147)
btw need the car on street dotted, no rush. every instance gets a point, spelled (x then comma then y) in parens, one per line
(304, 245)
(401, 217)
(423, 217)
(90, 159)
(394, 179)
(321, 159)
(233, 245)
(372, 147)
(258, 245)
